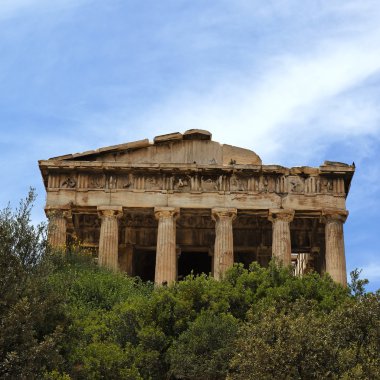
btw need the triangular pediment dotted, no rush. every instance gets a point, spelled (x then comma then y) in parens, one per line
(193, 146)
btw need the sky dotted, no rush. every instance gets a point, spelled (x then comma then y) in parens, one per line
(298, 82)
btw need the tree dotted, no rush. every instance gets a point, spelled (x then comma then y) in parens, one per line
(203, 351)
(31, 314)
(301, 341)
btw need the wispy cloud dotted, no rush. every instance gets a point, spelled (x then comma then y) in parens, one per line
(307, 95)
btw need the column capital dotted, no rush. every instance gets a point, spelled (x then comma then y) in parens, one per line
(166, 212)
(334, 215)
(223, 212)
(284, 214)
(55, 211)
(110, 211)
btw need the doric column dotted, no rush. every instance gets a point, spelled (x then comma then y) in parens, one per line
(334, 256)
(281, 242)
(224, 242)
(109, 236)
(166, 253)
(57, 230)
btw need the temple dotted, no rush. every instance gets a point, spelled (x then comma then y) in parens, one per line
(184, 203)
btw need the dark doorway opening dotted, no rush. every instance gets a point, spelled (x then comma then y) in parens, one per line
(144, 264)
(198, 262)
(245, 258)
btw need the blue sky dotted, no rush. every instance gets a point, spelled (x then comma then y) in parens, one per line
(298, 82)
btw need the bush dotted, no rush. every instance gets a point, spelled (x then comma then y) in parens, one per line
(63, 317)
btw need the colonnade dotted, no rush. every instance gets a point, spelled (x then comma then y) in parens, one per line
(166, 255)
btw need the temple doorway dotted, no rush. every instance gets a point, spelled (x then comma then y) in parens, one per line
(196, 262)
(144, 264)
(245, 258)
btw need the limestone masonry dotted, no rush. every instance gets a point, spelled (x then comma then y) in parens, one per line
(186, 203)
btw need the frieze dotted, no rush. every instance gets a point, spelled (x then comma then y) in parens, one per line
(182, 183)
(97, 181)
(153, 182)
(209, 183)
(69, 182)
(296, 184)
(238, 183)
(125, 181)
(202, 182)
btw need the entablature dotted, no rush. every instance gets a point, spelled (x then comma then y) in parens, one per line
(106, 176)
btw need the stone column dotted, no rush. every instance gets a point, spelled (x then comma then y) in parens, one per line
(166, 253)
(224, 242)
(334, 255)
(281, 242)
(57, 230)
(109, 236)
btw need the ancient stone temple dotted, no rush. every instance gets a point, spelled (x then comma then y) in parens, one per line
(184, 203)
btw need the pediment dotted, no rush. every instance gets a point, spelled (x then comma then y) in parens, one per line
(193, 146)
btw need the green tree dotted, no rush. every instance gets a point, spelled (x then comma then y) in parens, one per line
(203, 351)
(31, 314)
(301, 341)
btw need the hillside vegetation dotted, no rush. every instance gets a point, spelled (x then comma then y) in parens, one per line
(62, 317)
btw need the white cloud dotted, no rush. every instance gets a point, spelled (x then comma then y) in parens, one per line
(268, 114)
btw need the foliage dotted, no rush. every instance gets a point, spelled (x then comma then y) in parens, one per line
(31, 313)
(299, 341)
(62, 317)
(203, 351)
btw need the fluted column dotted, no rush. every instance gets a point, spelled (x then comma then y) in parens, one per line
(334, 256)
(281, 242)
(166, 253)
(109, 236)
(57, 230)
(224, 242)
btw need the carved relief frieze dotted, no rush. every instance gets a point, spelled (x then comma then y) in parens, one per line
(68, 181)
(296, 184)
(153, 182)
(241, 182)
(326, 185)
(125, 181)
(210, 183)
(97, 181)
(238, 183)
(182, 183)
